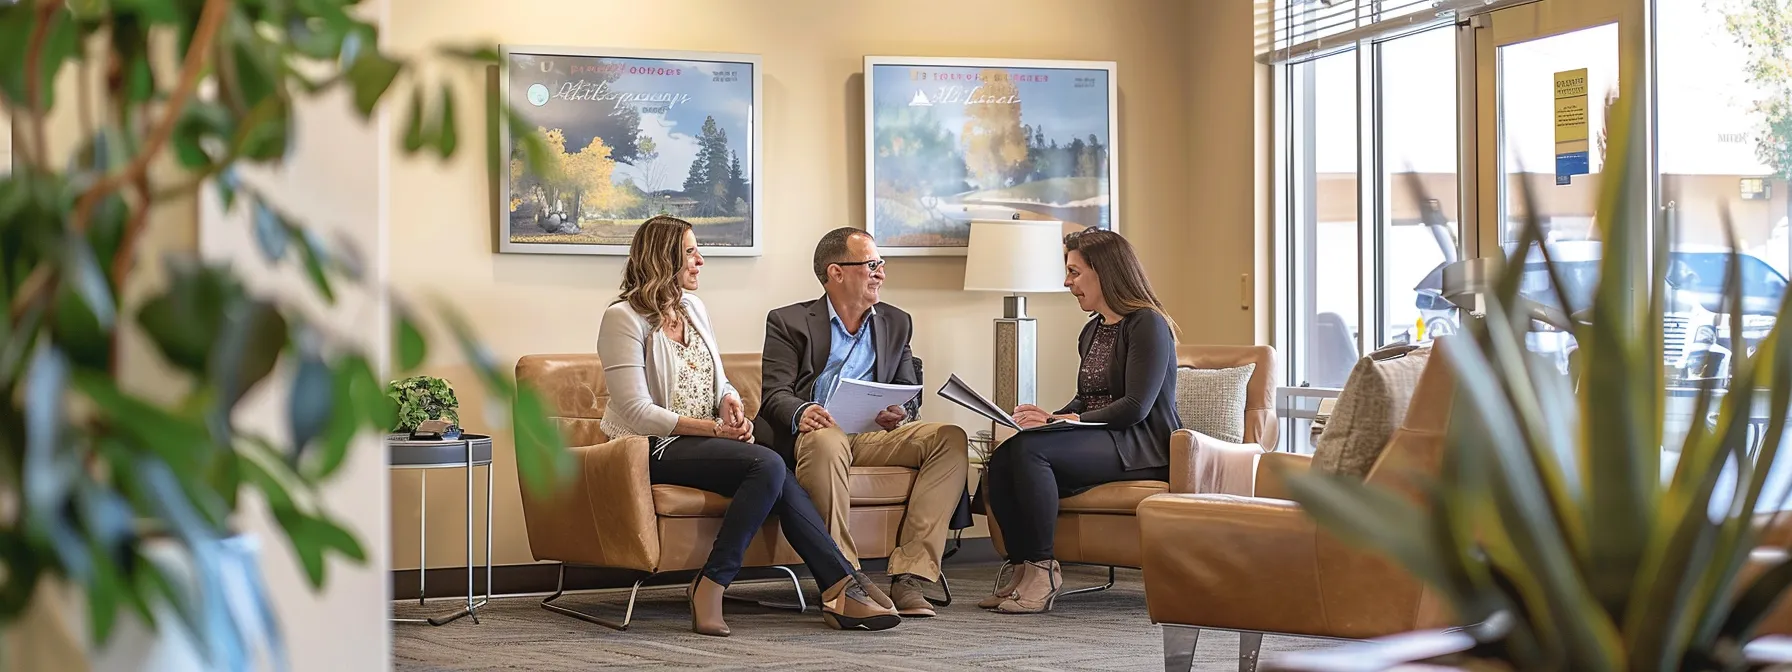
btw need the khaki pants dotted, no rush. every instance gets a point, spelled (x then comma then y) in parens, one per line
(938, 450)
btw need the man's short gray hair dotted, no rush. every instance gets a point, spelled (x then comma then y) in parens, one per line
(832, 248)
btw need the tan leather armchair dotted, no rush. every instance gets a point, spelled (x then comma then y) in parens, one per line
(1098, 526)
(610, 516)
(1255, 563)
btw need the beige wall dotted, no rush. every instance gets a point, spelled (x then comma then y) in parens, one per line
(332, 183)
(1227, 189)
(1186, 94)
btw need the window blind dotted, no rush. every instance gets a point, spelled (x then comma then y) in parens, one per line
(1302, 30)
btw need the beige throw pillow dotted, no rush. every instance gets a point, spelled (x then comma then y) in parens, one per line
(1212, 401)
(1371, 406)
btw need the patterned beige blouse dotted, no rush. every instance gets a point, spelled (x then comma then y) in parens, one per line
(695, 396)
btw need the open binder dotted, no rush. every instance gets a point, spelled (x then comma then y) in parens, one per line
(957, 392)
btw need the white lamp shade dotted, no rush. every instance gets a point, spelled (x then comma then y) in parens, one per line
(1015, 256)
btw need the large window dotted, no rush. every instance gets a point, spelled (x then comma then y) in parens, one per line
(1418, 214)
(1371, 204)
(1723, 131)
(1328, 303)
(1375, 200)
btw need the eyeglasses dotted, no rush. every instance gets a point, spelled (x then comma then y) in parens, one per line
(870, 264)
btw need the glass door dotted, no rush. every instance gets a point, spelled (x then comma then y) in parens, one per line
(1546, 73)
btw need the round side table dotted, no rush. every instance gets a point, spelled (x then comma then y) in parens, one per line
(466, 452)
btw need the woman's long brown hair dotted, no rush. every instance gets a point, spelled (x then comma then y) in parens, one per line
(1123, 283)
(655, 257)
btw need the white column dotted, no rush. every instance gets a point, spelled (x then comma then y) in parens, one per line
(334, 183)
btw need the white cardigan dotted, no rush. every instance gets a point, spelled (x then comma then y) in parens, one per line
(640, 368)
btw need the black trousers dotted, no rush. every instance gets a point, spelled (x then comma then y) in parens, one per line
(760, 485)
(1030, 471)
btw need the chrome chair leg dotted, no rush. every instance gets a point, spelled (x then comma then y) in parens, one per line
(801, 604)
(627, 614)
(1092, 589)
(947, 586)
(1179, 647)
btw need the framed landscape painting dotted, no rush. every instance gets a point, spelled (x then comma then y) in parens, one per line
(949, 140)
(634, 134)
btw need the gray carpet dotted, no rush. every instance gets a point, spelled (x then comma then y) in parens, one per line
(1101, 631)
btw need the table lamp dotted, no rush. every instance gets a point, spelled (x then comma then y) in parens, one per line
(1015, 256)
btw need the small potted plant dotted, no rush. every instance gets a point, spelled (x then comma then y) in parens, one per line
(421, 399)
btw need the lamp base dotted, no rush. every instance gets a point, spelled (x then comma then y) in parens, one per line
(1014, 307)
(1016, 357)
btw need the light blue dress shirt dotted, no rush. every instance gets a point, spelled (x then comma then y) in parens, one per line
(849, 356)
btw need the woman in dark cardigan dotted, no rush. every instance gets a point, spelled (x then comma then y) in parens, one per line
(1126, 382)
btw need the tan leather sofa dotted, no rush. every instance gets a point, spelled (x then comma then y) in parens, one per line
(609, 516)
(1098, 526)
(1254, 562)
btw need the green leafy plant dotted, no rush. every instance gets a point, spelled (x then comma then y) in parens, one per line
(422, 398)
(1550, 513)
(170, 95)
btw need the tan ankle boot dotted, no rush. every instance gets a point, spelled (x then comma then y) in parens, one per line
(706, 607)
(1037, 590)
(853, 604)
(1007, 590)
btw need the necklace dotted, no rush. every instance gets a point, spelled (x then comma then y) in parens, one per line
(678, 321)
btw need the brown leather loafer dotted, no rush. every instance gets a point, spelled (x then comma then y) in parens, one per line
(911, 602)
(850, 605)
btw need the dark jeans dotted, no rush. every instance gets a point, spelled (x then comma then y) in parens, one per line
(1029, 472)
(760, 485)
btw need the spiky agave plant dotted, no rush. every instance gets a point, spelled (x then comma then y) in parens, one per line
(1550, 512)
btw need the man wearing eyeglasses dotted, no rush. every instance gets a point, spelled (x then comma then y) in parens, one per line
(848, 334)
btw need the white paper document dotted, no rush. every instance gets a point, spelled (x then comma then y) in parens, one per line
(957, 392)
(856, 403)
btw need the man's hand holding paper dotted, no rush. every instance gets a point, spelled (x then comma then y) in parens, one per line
(891, 418)
(859, 406)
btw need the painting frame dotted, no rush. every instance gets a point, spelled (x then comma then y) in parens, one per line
(1112, 126)
(752, 162)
